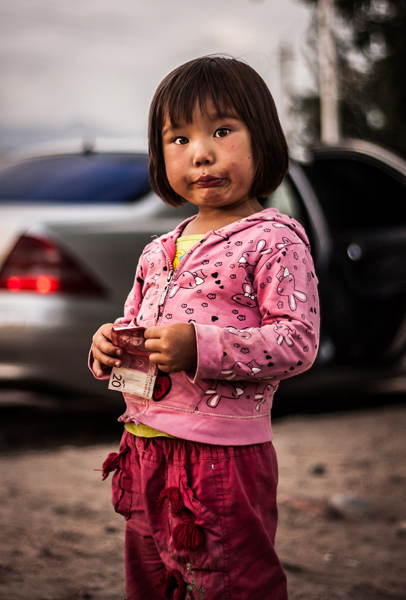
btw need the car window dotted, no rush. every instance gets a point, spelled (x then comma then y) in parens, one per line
(88, 178)
(355, 194)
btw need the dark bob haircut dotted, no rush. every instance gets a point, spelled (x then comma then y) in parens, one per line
(229, 84)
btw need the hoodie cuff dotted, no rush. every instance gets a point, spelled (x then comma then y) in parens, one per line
(209, 353)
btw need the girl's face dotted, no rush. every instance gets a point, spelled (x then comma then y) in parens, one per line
(209, 161)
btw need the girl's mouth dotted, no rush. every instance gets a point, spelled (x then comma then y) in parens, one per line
(208, 181)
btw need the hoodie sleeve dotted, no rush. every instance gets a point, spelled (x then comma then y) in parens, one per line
(131, 309)
(286, 342)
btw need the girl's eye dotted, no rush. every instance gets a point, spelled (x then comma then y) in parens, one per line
(180, 140)
(221, 132)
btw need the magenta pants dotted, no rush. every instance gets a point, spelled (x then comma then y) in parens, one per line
(200, 519)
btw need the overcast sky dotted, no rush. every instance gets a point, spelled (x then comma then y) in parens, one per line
(97, 62)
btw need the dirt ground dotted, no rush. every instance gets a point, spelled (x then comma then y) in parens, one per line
(342, 529)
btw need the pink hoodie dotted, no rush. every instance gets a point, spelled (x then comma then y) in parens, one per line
(251, 293)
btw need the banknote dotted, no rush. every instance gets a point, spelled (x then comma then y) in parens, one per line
(137, 374)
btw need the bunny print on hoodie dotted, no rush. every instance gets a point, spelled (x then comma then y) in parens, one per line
(251, 280)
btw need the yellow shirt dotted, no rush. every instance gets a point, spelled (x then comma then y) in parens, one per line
(183, 245)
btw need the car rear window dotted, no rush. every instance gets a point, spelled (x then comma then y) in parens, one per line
(88, 178)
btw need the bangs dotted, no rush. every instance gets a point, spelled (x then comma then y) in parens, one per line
(202, 84)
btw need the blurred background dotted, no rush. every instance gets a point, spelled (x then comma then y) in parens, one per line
(89, 67)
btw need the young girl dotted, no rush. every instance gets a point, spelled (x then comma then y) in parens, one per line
(229, 302)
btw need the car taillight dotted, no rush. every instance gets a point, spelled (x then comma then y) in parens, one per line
(39, 265)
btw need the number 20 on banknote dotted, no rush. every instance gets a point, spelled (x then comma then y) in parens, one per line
(137, 374)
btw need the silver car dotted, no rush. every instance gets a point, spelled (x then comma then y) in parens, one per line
(73, 225)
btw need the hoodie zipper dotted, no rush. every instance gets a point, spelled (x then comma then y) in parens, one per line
(171, 275)
(165, 291)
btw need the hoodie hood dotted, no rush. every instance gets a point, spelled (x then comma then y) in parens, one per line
(268, 214)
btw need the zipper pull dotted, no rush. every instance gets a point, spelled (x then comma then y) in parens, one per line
(165, 290)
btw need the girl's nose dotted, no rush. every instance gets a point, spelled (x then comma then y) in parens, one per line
(202, 154)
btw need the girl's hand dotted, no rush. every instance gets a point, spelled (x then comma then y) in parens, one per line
(104, 352)
(172, 347)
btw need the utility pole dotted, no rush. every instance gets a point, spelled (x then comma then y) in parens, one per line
(330, 128)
